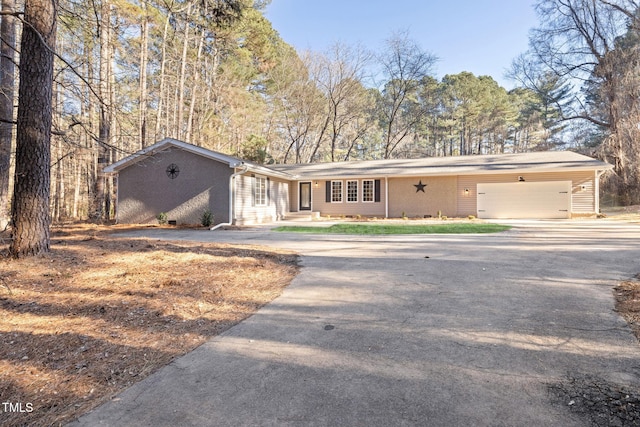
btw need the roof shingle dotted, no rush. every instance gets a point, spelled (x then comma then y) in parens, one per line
(547, 161)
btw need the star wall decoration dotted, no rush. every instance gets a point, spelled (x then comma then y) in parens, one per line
(420, 186)
(172, 171)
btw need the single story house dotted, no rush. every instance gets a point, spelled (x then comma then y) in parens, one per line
(183, 180)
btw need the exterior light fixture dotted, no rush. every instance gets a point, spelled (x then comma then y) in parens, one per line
(521, 179)
(466, 191)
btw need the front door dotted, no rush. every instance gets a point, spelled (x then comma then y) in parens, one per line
(305, 196)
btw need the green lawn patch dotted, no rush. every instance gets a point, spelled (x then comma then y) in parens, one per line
(453, 228)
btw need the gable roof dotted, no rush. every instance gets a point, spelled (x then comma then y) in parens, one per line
(169, 143)
(546, 161)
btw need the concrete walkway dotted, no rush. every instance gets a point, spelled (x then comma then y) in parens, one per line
(442, 330)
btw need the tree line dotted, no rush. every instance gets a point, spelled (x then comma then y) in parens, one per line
(216, 74)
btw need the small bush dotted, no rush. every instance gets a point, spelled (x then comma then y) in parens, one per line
(471, 217)
(207, 218)
(162, 218)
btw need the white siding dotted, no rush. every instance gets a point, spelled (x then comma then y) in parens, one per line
(277, 204)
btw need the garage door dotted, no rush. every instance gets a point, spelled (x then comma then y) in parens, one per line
(525, 200)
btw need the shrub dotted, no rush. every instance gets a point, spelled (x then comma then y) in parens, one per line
(207, 218)
(162, 218)
(471, 217)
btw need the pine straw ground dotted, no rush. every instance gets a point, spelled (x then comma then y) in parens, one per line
(627, 295)
(99, 313)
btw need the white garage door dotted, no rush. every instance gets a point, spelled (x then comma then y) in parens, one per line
(525, 200)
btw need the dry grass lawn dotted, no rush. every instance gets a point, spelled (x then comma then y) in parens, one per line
(99, 313)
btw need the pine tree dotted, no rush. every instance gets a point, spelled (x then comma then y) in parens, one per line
(30, 211)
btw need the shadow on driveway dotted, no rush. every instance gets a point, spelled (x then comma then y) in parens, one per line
(452, 330)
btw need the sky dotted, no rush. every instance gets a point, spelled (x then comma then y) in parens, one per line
(480, 36)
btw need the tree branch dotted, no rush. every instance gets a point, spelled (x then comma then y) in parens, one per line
(64, 61)
(71, 126)
(10, 122)
(587, 118)
(620, 9)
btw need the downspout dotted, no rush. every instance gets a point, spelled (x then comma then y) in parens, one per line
(597, 190)
(117, 183)
(231, 194)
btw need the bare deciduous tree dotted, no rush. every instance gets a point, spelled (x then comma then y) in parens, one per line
(404, 64)
(595, 43)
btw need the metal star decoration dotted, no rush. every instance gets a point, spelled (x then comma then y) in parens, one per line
(420, 186)
(172, 171)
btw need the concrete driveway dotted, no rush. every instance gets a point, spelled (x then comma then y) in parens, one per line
(442, 330)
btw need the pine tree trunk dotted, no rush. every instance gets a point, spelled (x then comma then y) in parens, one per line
(144, 41)
(108, 203)
(76, 191)
(30, 211)
(57, 187)
(7, 83)
(182, 78)
(194, 89)
(162, 94)
(57, 184)
(98, 210)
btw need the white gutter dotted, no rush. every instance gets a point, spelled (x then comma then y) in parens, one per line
(231, 194)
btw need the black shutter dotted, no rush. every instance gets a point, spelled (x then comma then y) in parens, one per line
(328, 194)
(376, 191)
(268, 190)
(253, 190)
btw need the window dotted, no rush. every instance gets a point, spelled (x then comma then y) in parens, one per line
(336, 191)
(352, 191)
(260, 191)
(368, 190)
